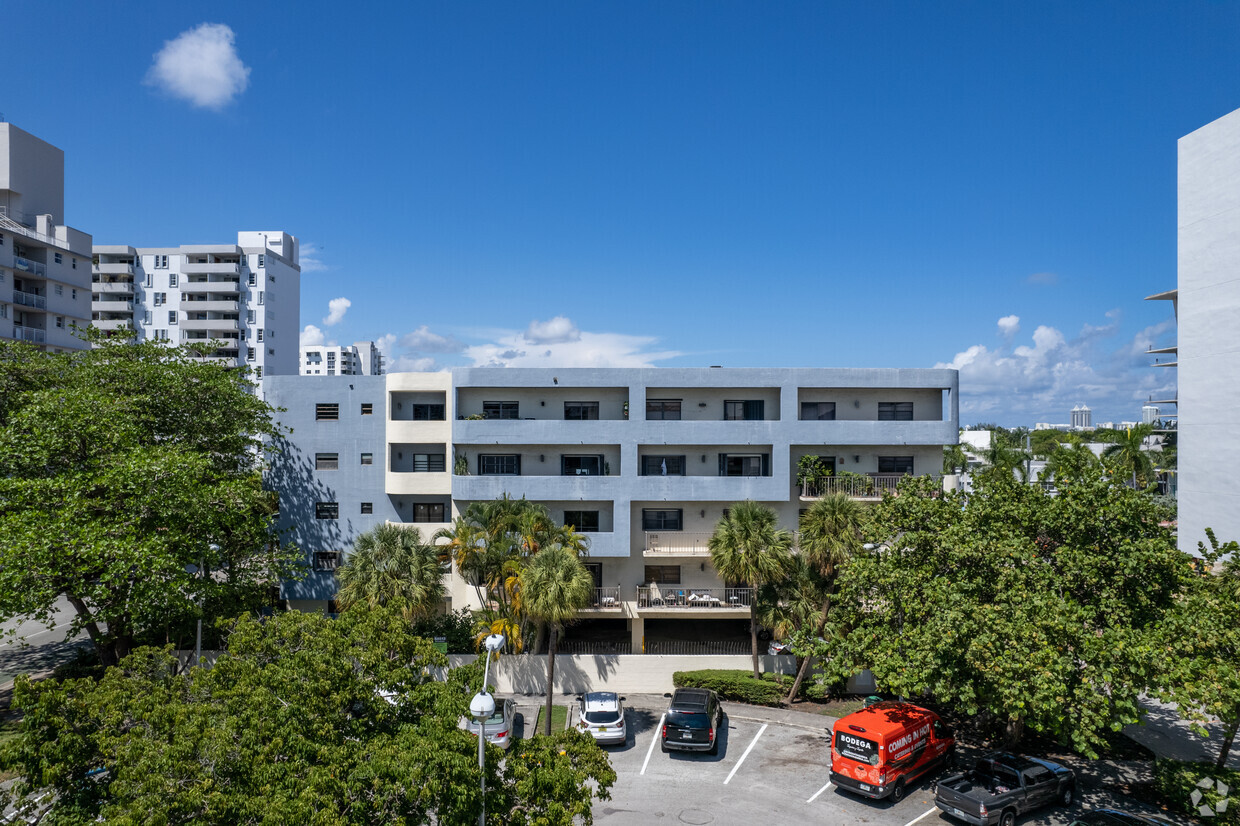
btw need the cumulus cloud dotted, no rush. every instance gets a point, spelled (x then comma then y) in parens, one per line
(411, 364)
(200, 66)
(1009, 325)
(385, 343)
(586, 350)
(336, 308)
(423, 340)
(311, 336)
(554, 331)
(1045, 279)
(309, 257)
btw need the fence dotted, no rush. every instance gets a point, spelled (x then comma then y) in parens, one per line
(594, 647)
(668, 596)
(698, 647)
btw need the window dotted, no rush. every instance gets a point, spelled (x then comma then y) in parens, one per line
(662, 520)
(253, 279)
(327, 461)
(326, 510)
(326, 560)
(368, 458)
(249, 354)
(326, 412)
(368, 508)
(74, 261)
(368, 408)
(4, 311)
(260, 333)
(580, 411)
(172, 316)
(148, 281)
(146, 317)
(60, 290)
(161, 299)
(260, 296)
(172, 279)
(743, 411)
(663, 410)
(59, 259)
(160, 262)
(817, 411)
(582, 521)
(756, 464)
(500, 410)
(895, 411)
(499, 465)
(428, 463)
(262, 260)
(428, 512)
(895, 464)
(581, 465)
(431, 413)
(258, 372)
(663, 466)
(74, 294)
(60, 321)
(663, 574)
(249, 316)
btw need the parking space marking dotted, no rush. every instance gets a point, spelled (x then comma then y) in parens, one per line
(657, 731)
(920, 816)
(752, 743)
(820, 791)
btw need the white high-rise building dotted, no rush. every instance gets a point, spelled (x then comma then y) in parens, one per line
(362, 358)
(1082, 417)
(44, 265)
(246, 296)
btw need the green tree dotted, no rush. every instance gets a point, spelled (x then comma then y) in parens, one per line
(955, 460)
(556, 585)
(1201, 645)
(748, 547)
(1128, 455)
(122, 469)
(391, 565)
(830, 536)
(289, 726)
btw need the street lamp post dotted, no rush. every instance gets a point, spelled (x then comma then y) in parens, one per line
(482, 707)
(213, 548)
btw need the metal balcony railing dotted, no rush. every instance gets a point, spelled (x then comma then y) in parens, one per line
(606, 598)
(683, 596)
(30, 334)
(26, 265)
(35, 300)
(677, 543)
(869, 486)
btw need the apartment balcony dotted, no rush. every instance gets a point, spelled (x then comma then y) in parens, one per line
(411, 483)
(873, 432)
(30, 267)
(604, 601)
(677, 600)
(38, 302)
(677, 544)
(869, 486)
(209, 324)
(711, 488)
(607, 545)
(112, 287)
(226, 286)
(112, 324)
(114, 269)
(101, 306)
(539, 431)
(552, 488)
(30, 334)
(210, 305)
(212, 268)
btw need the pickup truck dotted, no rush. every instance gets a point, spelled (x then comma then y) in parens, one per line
(1003, 786)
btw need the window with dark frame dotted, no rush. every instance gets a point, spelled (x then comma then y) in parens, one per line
(368, 458)
(435, 413)
(428, 512)
(581, 465)
(895, 411)
(582, 521)
(663, 574)
(580, 411)
(895, 464)
(326, 560)
(501, 410)
(326, 510)
(817, 411)
(655, 466)
(368, 508)
(327, 412)
(750, 464)
(499, 464)
(662, 520)
(666, 410)
(749, 410)
(368, 408)
(327, 461)
(428, 463)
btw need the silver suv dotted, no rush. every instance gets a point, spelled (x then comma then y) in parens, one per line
(601, 715)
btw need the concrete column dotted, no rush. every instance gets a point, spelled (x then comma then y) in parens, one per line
(637, 630)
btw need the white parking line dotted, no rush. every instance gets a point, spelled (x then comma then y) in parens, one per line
(752, 743)
(657, 731)
(820, 791)
(919, 817)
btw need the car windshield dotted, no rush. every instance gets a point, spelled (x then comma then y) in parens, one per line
(494, 719)
(688, 719)
(600, 717)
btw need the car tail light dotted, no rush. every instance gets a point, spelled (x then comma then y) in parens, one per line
(665, 731)
(882, 779)
(501, 734)
(711, 733)
(984, 810)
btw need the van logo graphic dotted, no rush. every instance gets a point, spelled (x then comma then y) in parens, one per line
(1210, 785)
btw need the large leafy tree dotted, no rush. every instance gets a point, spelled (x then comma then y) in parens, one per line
(1039, 611)
(556, 585)
(289, 726)
(123, 470)
(1200, 645)
(1128, 455)
(748, 547)
(391, 565)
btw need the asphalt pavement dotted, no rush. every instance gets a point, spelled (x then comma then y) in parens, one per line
(37, 649)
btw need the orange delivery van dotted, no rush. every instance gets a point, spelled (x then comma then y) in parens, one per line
(883, 749)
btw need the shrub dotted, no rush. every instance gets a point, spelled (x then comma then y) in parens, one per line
(1176, 780)
(457, 627)
(735, 684)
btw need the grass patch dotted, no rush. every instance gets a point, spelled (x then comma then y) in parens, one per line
(840, 707)
(10, 728)
(559, 718)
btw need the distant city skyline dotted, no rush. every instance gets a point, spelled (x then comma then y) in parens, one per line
(980, 186)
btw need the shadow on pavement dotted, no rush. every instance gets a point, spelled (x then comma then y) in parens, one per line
(35, 659)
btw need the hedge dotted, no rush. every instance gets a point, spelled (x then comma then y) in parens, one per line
(735, 684)
(1176, 781)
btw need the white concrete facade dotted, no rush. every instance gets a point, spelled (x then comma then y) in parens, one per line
(245, 295)
(44, 265)
(1208, 313)
(361, 358)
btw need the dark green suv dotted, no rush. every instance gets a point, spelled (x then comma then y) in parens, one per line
(692, 721)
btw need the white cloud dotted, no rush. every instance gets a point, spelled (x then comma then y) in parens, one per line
(554, 331)
(311, 336)
(423, 340)
(309, 258)
(201, 66)
(586, 350)
(385, 343)
(1009, 325)
(336, 308)
(411, 364)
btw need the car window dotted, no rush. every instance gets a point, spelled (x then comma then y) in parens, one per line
(1038, 774)
(598, 717)
(686, 719)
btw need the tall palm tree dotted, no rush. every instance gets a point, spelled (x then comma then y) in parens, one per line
(555, 586)
(391, 565)
(1129, 455)
(747, 547)
(830, 536)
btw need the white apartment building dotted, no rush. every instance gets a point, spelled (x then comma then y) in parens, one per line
(246, 296)
(362, 358)
(44, 265)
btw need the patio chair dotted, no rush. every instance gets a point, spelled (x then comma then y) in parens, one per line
(656, 597)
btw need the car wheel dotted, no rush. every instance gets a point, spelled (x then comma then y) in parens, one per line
(1065, 797)
(1008, 818)
(897, 794)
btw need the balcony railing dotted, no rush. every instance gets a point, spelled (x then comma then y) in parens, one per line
(683, 596)
(26, 265)
(869, 486)
(35, 300)
(677, 543)
(606, 598)
(30, 334)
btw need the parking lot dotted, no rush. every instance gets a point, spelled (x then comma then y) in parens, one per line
(773, 767)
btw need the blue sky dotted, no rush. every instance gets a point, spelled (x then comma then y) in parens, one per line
(989, 185)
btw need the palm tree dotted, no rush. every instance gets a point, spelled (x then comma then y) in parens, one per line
(830, 536)
(555, 586)
(391, 565)
(1129, 455)
(747, 547)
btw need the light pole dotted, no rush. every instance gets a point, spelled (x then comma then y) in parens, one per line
(213, 548)
(482, 707)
